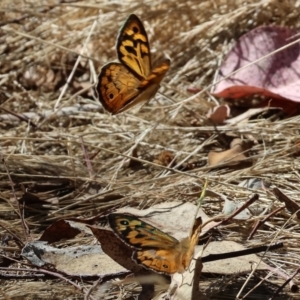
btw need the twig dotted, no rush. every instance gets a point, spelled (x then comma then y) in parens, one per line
(281, 288)
(24, 225)
(87, 294)
(21, 117)
(87, 160)
(45, 271)
(261, 222)
(213, 257)
(254, 198)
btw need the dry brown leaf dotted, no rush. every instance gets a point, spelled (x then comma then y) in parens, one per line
(115, 249)
(232, 155)
(62, 229)
(165, 158)
(290, 204)
(218, 114)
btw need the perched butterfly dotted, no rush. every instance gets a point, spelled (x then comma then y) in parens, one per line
(153, 248)
(123, 85)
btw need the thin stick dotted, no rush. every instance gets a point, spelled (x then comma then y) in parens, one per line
(281, 288)
(261, 222)
(213, 257)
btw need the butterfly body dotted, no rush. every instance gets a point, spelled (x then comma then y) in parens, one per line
(153, 248)
(123, 85)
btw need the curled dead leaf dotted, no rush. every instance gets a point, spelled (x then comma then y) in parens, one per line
(234, 154)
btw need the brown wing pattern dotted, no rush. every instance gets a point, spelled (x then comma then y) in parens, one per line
(117, 87)
(157, 74)
(155, 249)
(133, 47)
(139, 234)
(161, 261)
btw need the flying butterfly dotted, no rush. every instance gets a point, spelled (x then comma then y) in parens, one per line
(133, 80)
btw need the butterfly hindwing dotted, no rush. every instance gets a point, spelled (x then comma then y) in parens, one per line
(169, 261)
(161, 261)
(117, 87)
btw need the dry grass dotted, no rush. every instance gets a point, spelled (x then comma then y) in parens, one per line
(39, 46)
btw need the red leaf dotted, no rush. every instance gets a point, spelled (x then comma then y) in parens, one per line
(277, 76)
(218, 114)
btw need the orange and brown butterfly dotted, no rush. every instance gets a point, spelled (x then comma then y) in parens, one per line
(153, 248)
(132, 81)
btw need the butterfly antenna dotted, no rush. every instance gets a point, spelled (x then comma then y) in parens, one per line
(200, 202)
(201, 197)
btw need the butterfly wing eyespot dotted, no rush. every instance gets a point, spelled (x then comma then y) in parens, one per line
(162, 261)
(139, 234)
(124, 226)
(116, 87)
(125, 84)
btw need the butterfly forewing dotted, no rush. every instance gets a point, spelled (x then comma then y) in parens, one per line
(139, 234)
(133, 47)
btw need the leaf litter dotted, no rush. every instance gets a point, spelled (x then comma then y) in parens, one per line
(69, 161)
